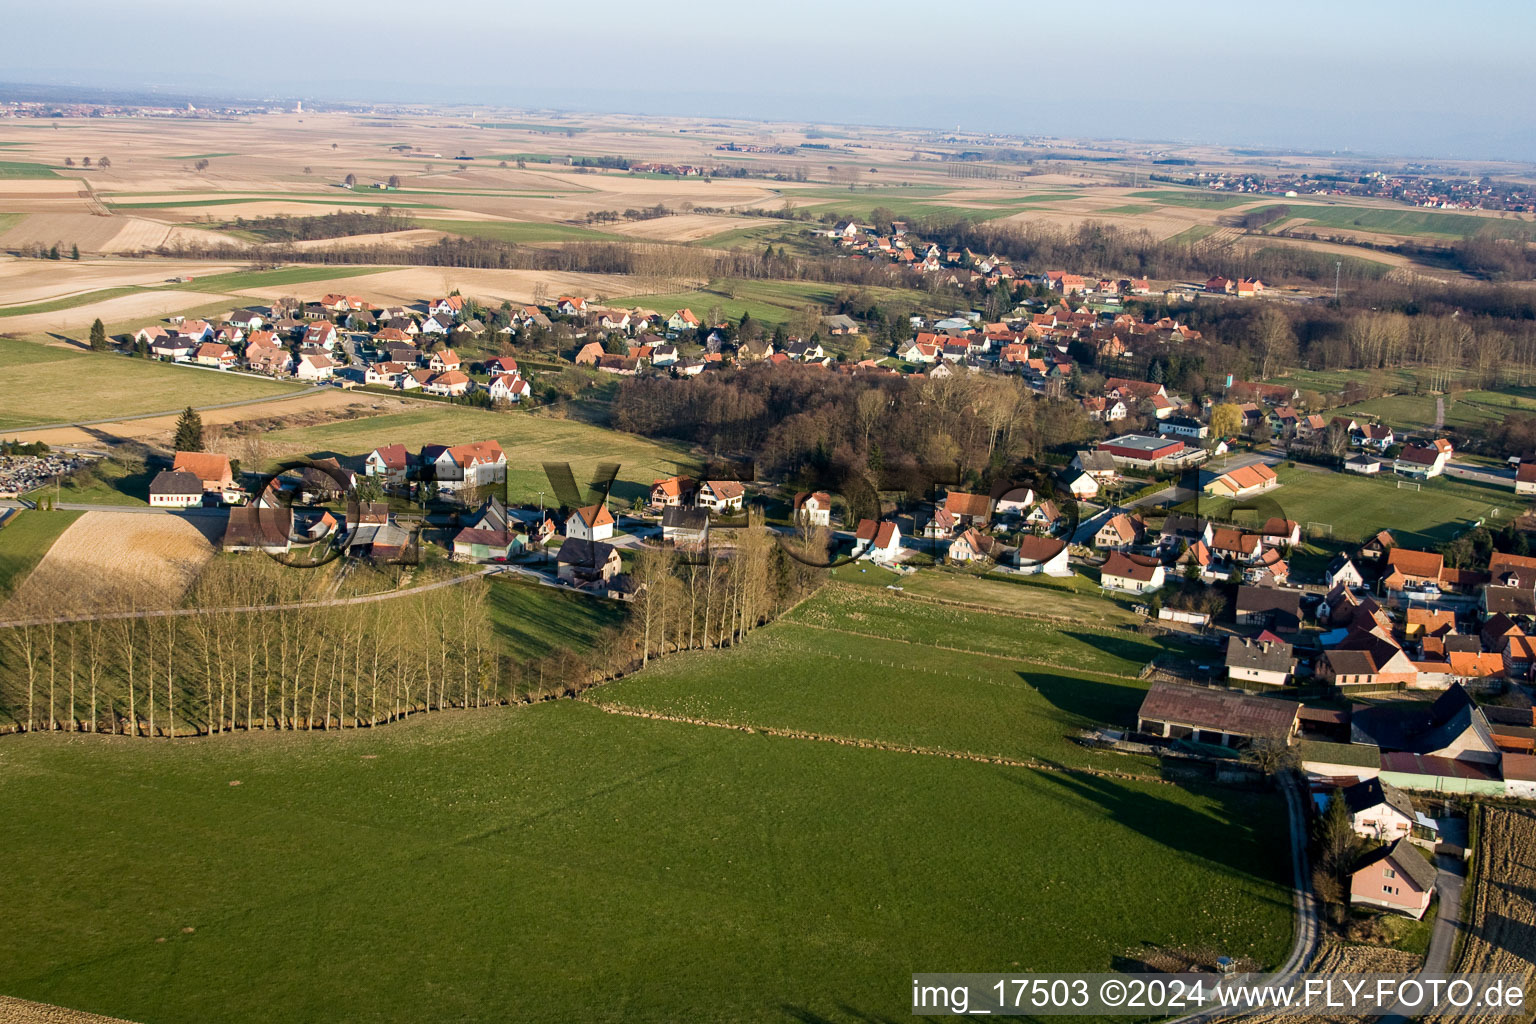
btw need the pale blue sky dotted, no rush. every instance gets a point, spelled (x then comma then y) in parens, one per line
(1406, 77)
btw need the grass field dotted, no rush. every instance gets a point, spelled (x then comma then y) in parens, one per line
(24, 540)
(508, 231)
(1194, 198)
(22, 169)
(1064, 597)
(53, 385)
(768, 301)
(1358, 506)
(1191, 235)
(71, 301)
(1411, 222)
(1026, 691)
(579, 865)
(534, 620)
(1464, 410)
(528, 440)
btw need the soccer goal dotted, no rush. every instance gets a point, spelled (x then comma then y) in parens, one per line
(1319, 529)
(1409, 485)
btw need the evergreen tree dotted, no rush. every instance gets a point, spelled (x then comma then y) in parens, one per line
(74, 252)
(98, 336)
(189, 431)
(53, 253)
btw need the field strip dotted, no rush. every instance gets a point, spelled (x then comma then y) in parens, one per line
(335, 602)
(989, 609)
(23, 1011)
(1011, 658)
(866, 744)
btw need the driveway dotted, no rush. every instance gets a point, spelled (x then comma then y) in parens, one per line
(1442, 941)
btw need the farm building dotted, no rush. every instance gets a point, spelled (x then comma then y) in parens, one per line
(175, 489)
(1174, 711)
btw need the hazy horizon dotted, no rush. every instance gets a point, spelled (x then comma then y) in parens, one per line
(1406, 80)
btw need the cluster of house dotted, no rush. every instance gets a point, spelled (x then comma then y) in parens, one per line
(1374, 756)
(1140, 560)
(394, 346)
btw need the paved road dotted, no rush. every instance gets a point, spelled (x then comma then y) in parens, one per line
(1305, 939)
(1442, 941)
(1481, 474)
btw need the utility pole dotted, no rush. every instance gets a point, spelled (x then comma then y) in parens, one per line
(1338, 265)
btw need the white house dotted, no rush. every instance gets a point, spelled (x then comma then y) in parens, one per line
(1083, 487)
(389, 464)
(1379, 810)
(1133, 573)
(314, 366)
(721, 495)
(1423, 461)
(591, 522)
(1042, 555)
(813, 508)
(510, 387)
(877, 541)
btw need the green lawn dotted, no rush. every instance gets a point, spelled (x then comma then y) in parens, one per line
(575, 865)
(53, 385)
(528, 440)
(1358, 506)
(1048, 596)
(25, 539)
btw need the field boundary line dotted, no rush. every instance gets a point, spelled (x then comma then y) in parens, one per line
(616, 708)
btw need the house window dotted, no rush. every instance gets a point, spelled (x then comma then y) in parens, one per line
(1389, 889)
(1389, 873)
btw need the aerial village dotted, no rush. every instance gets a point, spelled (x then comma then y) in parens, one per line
(1292, 651)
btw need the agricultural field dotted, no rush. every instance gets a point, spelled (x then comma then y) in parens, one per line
(1499, 913)
(1045, 596)
(1358, 506)
(109, 561)
(597, 866)
(25, 538)
(1410, 222)
(533, 621)
(49, 385)
(529, 440)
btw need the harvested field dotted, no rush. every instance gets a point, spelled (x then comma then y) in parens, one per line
(21, 1011)
(24, 281)
(147, 306)
(1336, 957)
(97, 234)
(305, 408)
(1500, 930)
(110, 561)
(687, 227)
(409, 284)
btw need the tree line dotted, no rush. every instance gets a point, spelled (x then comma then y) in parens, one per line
(356, 665)
(339, 224)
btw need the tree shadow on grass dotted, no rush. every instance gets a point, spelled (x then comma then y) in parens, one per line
(1093, 700)
(1184, 829)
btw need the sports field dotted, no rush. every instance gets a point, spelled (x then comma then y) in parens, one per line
(1358, 506)
(577, 864)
